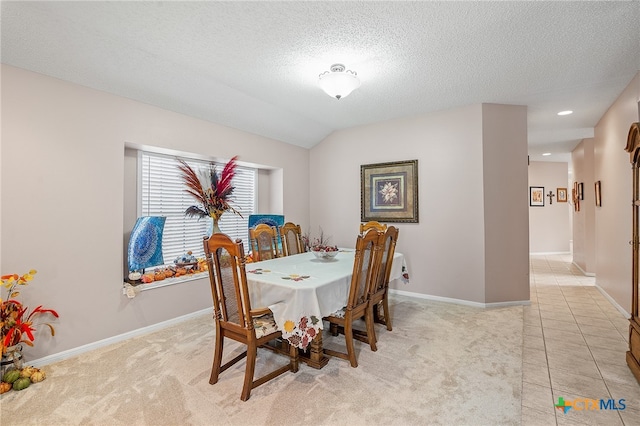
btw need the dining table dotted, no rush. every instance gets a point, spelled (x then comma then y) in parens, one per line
(302, 289)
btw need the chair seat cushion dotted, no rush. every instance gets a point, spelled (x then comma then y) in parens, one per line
(264, 324)
(339, 313)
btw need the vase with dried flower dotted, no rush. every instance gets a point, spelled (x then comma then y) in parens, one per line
(17, 322)
(211, 189)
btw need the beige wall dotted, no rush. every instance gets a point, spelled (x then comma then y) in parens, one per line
(446, 249)
(584, 249)
(549, 227)
(63, 193)
(506, 233)
(62, 176)
(612, 230)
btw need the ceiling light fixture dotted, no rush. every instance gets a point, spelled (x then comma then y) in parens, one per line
(565, 112)
(546, 154)
(338, 82)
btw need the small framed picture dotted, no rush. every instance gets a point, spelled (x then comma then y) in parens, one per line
(536, 196)
(561, 195)
(598, 195)
(581, 190)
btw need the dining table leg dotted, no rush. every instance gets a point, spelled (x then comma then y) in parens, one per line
(314, 356)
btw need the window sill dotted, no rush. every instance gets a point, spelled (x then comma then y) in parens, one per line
(131, 290)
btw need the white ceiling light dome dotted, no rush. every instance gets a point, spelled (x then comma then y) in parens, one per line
(339, 82)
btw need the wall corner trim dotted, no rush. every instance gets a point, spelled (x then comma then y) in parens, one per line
(626, 314)
(585, 273)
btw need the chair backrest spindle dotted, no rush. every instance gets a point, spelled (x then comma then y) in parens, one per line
(264, 242)
(291, 236)
(228, 279)
(390, 236)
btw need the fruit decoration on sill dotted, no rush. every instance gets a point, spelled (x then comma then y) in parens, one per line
(186, 264)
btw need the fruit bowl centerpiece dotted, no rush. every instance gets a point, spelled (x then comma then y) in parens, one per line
(324, 252)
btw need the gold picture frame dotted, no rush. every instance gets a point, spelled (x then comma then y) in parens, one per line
(561, 195)
(598, 194)
(389, 192)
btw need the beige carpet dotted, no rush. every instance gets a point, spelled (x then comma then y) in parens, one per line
(441, 364)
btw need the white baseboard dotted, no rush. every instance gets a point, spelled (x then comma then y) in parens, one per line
(460, 301)
(585, 273)
(613, 302)
(60, 356)
(548, 253)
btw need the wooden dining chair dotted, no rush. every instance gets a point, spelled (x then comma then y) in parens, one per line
(291, 236)
(372, 224)
(365, 269)
(379, 292)
(236, 319)
(264, 242)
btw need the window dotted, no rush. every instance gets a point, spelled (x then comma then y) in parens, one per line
(162, 193)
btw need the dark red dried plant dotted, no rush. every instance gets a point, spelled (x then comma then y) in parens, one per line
(212, 190)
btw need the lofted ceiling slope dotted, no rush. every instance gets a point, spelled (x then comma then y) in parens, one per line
(255, 65)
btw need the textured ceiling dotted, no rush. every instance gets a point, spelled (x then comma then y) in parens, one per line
(254, 65)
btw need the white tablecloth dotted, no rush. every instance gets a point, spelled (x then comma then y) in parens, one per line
(301, 289)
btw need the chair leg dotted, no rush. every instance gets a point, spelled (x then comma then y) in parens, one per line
(376, 314)
(371, 332)
(333, 329)
(387, 316)
(217, 358)
(348, 336)
(252, 354)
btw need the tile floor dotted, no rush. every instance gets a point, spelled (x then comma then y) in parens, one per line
(575, 342)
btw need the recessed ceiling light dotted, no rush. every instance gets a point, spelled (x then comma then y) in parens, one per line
(565, 112)
(546, 154)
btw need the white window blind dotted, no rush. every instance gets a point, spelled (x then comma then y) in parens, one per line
(163, 194)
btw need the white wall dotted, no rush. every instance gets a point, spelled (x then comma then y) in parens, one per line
(445, 251)
(63, 192)
(549, 226)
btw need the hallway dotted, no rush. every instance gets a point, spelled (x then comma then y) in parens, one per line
(575, 342)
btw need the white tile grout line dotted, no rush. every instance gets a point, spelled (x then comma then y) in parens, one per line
(544, 342)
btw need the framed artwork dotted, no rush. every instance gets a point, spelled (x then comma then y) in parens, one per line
(561, 195)
(575, 198)
(581, 190)
(389, 192)
(598, 195)
(536, 196)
